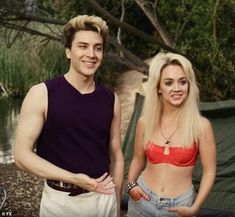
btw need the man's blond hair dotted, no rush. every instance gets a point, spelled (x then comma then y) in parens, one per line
(87, 23)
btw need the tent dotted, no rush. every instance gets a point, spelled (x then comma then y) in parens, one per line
(221, 200)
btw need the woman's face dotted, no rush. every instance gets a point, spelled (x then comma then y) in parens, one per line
(174, 85)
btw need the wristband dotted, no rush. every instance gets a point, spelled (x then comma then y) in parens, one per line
(131, 185)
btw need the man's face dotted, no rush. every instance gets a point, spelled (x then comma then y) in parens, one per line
(86, 52)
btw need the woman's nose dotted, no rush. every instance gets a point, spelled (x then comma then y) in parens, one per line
(176, 86)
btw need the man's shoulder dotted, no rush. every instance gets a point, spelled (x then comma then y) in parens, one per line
(36, 94)
(106, 93)
(106, 89)
(37, 88)
(54, 79)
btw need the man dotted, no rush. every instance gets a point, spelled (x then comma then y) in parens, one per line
(75, 124)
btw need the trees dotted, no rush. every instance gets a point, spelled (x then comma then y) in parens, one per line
(203, 31)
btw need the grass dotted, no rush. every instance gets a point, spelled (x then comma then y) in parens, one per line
(25, 64)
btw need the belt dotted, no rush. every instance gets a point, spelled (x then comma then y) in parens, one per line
(66, 187)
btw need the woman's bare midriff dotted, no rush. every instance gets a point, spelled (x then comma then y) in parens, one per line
(167, 180)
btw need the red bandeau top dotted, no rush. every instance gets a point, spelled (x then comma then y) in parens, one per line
(178, 156)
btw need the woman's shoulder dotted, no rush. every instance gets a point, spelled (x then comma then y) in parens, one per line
(140, 125)
(205, 123)
(141, 121)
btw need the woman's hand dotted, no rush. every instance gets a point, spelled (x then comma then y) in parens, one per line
(183, 211)
(136, 193)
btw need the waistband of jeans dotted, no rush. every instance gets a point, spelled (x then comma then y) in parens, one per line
(161, 198)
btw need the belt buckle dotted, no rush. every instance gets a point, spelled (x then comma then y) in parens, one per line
(61, 184)
(66, 185)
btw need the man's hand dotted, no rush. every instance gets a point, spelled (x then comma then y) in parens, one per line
(103, 184)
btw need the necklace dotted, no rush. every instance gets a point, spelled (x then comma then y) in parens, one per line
(168, 139)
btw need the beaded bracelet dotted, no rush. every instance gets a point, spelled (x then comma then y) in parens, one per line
(131, 185)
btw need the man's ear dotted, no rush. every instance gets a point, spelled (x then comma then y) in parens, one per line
(67, 53)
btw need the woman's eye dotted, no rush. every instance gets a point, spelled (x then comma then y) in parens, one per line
(168, 83)
(183, 82)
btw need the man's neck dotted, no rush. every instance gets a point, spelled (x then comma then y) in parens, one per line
(83, 84)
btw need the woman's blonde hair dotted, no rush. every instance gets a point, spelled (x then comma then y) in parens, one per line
(189, 124)
(87, 23)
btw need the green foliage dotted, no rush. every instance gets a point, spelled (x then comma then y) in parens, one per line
(25, 64)
(203, 30)
(208, 39)
(56, 9)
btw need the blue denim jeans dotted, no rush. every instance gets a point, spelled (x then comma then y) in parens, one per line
(157, 205)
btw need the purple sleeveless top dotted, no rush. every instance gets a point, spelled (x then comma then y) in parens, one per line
(76, 132)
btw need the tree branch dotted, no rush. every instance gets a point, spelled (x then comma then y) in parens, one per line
(150, 12)
(16, 15)
(121, 19)
(5, 93)
(7, 37)
(182, 28)
(129, 28)
(126, 62)
(215, 9)
(30, 31)
(129, 55)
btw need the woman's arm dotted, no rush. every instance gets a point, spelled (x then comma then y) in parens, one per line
(207, 149)
(138, 161)
(116, 155)
(137, 164)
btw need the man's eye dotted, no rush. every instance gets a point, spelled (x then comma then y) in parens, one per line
(99, 48)
(82, 46)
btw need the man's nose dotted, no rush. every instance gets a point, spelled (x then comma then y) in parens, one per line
(91, 52)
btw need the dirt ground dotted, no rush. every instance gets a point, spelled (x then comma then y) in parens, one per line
(24, 190)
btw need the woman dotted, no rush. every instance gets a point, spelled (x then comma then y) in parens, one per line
(170, 135)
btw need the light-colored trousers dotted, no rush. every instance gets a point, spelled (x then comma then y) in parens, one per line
(58, 204)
